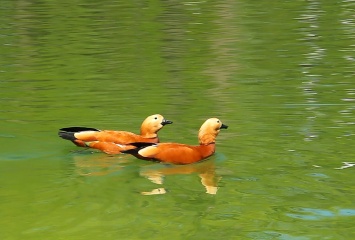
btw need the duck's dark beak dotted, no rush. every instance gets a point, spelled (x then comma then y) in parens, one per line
(164, 122)
(224, 126)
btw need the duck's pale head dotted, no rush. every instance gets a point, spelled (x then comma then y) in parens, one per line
(152, 124)
(209, 130)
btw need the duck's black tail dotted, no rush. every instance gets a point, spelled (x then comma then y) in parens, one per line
(139, 146)
(68, 133)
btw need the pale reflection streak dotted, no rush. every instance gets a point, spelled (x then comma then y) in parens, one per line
(23, 19)
(314, 57)
(312, 16)
(223, 43)
(348, 26)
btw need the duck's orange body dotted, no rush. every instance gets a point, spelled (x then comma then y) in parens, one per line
(114, 142)
(178, 153)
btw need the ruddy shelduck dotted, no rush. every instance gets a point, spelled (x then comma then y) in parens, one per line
(114, 142)
(178, 153)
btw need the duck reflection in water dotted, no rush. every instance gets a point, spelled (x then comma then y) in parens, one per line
(100, 165)
(206, 171)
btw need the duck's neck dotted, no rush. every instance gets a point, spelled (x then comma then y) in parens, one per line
(206, 138)
(207, 150)
(149, 135)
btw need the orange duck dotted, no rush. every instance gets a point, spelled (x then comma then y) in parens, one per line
(178, 153)
(114, 142)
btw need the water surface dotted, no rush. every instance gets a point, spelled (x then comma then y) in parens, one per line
(280, 74)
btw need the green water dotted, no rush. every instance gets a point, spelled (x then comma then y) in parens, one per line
(280, 74)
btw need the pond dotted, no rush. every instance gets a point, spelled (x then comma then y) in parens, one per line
(280, 74)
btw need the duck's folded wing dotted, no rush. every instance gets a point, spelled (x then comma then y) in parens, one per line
(172, 153)
(118, 137)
